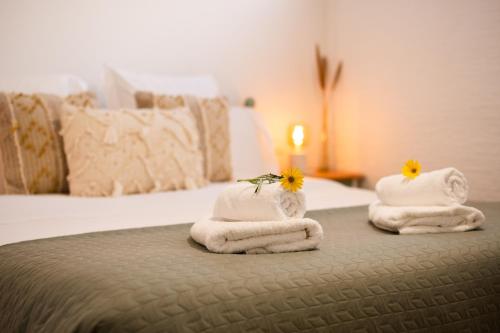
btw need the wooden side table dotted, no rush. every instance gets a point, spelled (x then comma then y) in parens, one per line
(353, 179)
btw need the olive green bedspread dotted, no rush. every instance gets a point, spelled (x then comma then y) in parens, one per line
(158, 280)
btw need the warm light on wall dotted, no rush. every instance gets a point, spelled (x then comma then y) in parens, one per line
(298, 136)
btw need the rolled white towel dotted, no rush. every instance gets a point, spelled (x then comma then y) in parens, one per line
(421, 219)
(239, 202)
(257, 237)
(436, 188)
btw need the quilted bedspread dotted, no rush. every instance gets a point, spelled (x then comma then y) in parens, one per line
(158, 280)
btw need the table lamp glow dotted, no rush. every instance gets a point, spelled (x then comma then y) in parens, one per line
(297, 139)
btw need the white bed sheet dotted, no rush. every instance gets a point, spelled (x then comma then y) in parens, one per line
(25, 218)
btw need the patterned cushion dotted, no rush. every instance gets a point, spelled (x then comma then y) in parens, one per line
(31, 148)
(212, 118)
(114, 152)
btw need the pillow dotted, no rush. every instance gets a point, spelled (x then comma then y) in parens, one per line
(121, 85)
(60, 85)
(114, 152)
(2, 183)
(252, 148)
(31, 148)
(212, 119)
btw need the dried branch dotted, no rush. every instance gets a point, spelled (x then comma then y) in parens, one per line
(322, 64)
(338, 73)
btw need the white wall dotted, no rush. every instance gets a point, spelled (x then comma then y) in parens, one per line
(259, 48)
(422, 81)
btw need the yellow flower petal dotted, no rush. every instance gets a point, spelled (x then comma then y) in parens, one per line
(292, 180)
(411, 169)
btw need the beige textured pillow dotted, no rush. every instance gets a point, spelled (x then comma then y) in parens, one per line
(212, 119)
(115, 152)
(31, 148)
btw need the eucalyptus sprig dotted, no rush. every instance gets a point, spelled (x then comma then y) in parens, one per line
(269, 178)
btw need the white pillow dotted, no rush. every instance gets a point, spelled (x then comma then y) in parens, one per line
(121, 85)
(60, 85)
(252, 149)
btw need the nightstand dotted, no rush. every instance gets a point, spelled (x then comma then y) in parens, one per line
(353, 179)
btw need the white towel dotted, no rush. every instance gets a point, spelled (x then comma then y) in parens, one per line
(257, 237)
(239, 202)
(425, 219)
(436, 188)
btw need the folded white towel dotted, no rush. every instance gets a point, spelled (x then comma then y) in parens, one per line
(257, 237)
(436, 188)
(239, 202)
(425, 219)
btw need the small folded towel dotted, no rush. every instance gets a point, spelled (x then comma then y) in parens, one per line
(239, 202)
(436, 188)
(257, 237)
(421, 219)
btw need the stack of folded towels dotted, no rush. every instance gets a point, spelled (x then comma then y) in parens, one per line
(430, 203)
(270, 221)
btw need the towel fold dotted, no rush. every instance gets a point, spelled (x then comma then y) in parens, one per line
(436, 188)
(257, 237)
(239, 202)
(425, 219)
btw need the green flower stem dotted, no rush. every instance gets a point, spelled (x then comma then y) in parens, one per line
(264, 179)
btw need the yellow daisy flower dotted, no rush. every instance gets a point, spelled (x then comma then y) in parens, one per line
(411, 169)
(292, 179)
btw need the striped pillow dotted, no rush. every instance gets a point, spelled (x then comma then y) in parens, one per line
(31, 148)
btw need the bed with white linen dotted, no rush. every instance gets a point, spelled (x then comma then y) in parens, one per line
(127, 264)
(25, 218)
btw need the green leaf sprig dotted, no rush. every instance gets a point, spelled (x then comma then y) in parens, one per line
(269, 178)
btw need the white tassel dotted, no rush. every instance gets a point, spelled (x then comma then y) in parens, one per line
(117, 189)
(111, 136)
(190, 184)
(156, 187)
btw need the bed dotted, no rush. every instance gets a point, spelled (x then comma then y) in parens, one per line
(128, 265)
